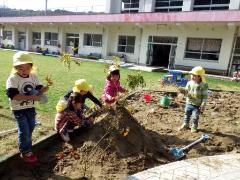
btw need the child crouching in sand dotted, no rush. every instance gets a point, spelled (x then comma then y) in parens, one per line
(72, 114)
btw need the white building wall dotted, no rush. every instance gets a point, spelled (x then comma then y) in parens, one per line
(53, 29)
(187, 5)
(15, 37)
(106, 41)
(110, 34)
(234, 4)
(35, 28)
(219, 32)
(125, 30)
(89, 29)
(146, 5)
(28, 39)
(224, 32)
(113, 6)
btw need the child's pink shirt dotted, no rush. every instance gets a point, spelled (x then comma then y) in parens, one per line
(111, 89)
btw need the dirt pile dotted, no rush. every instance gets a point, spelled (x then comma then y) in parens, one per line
(116, 146)
(126, 141)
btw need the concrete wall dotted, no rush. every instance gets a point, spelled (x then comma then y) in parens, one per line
(110, 34)
(125, 30)
(219, 32)
(187, 5)
(113, 6)
(234, 4)
(224, 32)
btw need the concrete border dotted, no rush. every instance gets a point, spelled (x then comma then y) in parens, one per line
(219, 167)
(5, 161)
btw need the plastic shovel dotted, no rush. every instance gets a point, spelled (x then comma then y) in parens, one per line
(181, 152)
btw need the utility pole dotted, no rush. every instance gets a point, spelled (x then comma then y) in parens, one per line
(46, 1)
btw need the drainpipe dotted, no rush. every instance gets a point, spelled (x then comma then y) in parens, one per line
(141, 32)
(232, 51)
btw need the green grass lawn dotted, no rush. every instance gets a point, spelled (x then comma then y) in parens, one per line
(64, 80)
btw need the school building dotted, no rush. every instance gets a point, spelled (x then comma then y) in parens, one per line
(166, 33)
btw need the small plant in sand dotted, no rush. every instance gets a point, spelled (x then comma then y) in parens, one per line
(135, 80)
(49, 80)
(66, 59)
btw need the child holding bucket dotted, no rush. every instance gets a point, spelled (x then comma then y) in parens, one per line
(72, 114)
(23, 89)
(197, 93)
(112, 86)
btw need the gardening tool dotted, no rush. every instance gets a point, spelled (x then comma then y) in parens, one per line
(180, 153)
(165, 101)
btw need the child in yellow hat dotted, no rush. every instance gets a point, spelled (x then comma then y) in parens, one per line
(81, 86)
(19, 88)
(112, 86)
(197, 93)
(72, 115)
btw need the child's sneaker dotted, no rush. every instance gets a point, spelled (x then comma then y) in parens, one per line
(184, 127)
(29, 157)
(65, 137)
(194, 130)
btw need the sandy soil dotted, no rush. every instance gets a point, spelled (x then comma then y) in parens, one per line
(136, 137)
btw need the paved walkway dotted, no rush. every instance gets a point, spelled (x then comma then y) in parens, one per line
(220, 167)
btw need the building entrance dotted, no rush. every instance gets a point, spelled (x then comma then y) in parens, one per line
(161, 51)
(21, 40)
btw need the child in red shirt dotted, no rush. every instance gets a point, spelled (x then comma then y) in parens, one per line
(72, 114)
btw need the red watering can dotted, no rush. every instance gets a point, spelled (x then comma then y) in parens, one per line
(147, 98)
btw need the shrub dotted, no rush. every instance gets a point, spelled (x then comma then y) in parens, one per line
(135, 80)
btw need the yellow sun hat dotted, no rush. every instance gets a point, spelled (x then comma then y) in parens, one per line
(82, 85)
(198, 71)
(113, 68)
(21, 57)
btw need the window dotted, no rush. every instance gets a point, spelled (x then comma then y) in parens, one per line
(36, 38)
(7, 35)
(126, 44)
(92, 40)
(130, 6)
(168, 5)
(206, 49)
(72, 39)
(200, 5)
(51, 39)
(164, 40)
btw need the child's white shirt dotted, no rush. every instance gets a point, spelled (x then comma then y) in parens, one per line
(24, 86)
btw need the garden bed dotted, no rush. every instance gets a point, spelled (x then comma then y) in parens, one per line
(136, 137)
